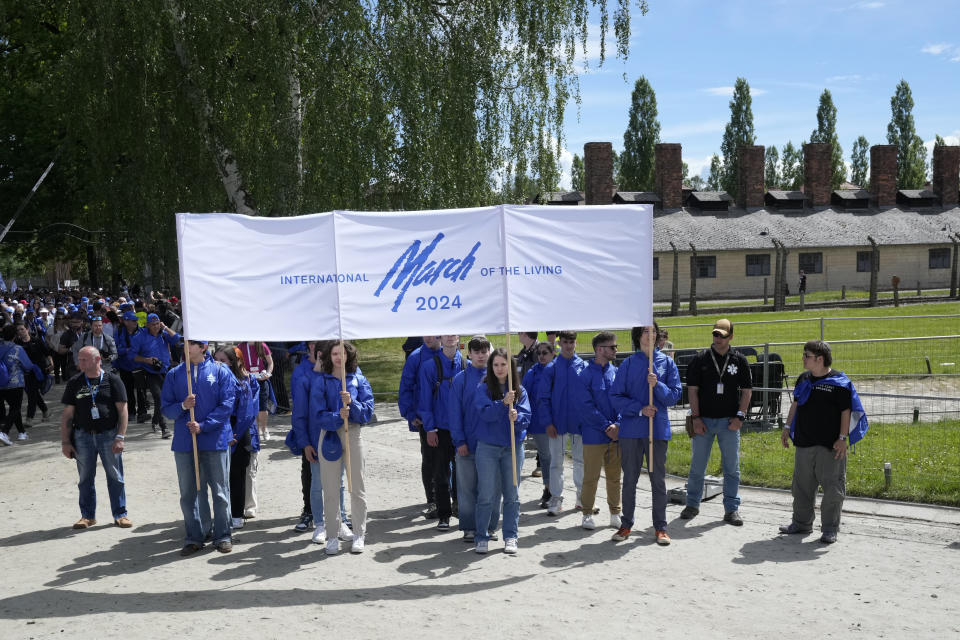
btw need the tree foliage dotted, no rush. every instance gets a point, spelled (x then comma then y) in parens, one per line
(771, 168)
(159, 106)
(791, 171)
(902, 133)
(860, 163)
(577, 175)
(715, 178)
(738, 132)
(637, 166)
(826, 133)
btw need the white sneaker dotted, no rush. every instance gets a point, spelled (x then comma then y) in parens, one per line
(510, 545)
(345, 534)
(357, 545)
(614, 520)
(265, 436)
(236, 523)
(46, 415)
(333, 547)
(588, 522)
(481, 546)
(23, 436)
(5, 439)
(555, 507)
(320, 535)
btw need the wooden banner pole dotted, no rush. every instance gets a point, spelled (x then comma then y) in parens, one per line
(186, 364)
(346, 423)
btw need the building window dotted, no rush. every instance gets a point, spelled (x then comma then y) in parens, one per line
(811, 262)
(940, 258)
(706, 266)
(758, 264)
(656, 268)
(863, 261)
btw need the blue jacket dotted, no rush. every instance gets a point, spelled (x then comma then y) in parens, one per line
(433, 399)
(556, 394)
(126, 349)
(531, 384)
(18, 363)
(245, 409)
(464, 419)
(216, 391)
(299, 372)
(493, 426)
(321, 411)
(593, 397)
(630, 393)
(409, 383)
(858, 415)
(158, 346)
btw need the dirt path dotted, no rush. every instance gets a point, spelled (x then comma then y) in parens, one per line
(892, 574)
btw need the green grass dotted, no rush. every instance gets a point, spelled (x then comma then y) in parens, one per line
(924, 460)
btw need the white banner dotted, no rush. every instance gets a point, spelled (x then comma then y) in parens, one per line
(368, 275)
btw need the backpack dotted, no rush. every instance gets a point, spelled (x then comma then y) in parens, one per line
(440, 378)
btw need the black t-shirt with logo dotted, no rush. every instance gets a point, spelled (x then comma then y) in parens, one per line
(818, 419)
(79, 393)
(735, 375)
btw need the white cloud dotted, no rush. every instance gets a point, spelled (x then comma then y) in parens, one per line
(728, 91)
(868, 5)
(566, 168)
(699, 166)
(848, 79)
(936, 49)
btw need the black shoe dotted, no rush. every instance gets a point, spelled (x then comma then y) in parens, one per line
(165, 434)
(305, 524)
(493, 535)
(142, 418)
(689, 513)
(828, 537)
(733, 517)
(793, 527)
(432, 513)
(189, 550)
(545, 499)
(444, 524)
(225, 547)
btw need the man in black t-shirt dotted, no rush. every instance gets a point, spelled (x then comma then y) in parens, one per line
(822, 408)
(94, 423)
(720, 388)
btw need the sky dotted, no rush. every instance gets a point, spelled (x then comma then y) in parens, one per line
(789, 51)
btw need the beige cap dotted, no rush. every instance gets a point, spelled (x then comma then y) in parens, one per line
(723, 328)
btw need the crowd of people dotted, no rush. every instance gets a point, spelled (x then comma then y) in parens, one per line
(473, 411)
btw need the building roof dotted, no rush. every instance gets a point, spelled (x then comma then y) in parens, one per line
(711, 196)
(642, 197)
(560, 197)
(785, 195)
(737, 229)
(852, 194)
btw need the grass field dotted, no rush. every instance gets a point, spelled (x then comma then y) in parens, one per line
(924, 460)
(382, 359)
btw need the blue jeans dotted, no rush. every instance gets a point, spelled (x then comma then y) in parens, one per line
(467, 495)
(701, 446)
(543, 448)
(215, 475)
(88, 447)
(316, 494)
(495, 478)
(632, 452)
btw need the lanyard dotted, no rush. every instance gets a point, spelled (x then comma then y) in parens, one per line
(720, 370)
(93, 390)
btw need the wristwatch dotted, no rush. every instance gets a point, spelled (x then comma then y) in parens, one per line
(741, 415)
(843, 437)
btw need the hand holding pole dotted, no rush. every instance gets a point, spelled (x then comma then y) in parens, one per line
(186, 364)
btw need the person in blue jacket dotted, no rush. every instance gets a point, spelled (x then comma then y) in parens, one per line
(601, 422)
(407, 399)
(243, 423)
(305, 437)
(630, 396)
(342, 412)
(434, 387)
(303, 368)
(561, 416)
(17, 365)
(212, 401)
(463, 432)
(153, 351)
(531, 382)
(496, 406)
(130, 371)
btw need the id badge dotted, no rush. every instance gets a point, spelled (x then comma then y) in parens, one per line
(94, 412)
(719, 388)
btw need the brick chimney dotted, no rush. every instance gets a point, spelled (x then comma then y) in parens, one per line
(598, 172)
(669, 174)
(946, 175)
(883, 174)
(750, 178)
(817, 173)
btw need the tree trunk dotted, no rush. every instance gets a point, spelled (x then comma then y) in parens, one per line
(954, 266)
(295, 199)
(675, 292)
(223, 157)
